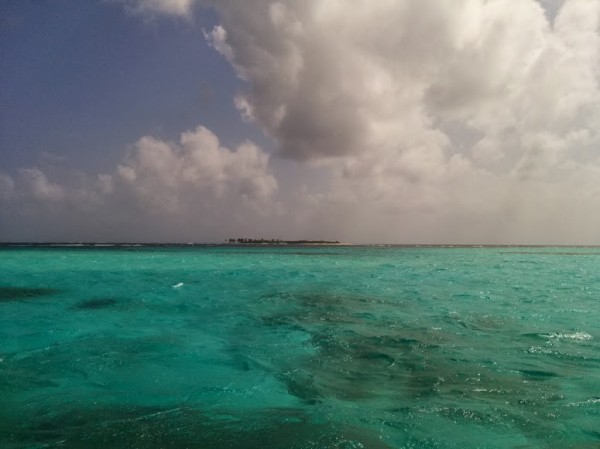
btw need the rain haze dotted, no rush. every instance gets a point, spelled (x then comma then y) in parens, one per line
(395, 121)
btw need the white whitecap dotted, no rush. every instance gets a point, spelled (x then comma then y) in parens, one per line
(590, 401)
(580, 336)
(179, 285)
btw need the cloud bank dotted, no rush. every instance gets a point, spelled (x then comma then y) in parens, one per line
(159, 190)
(464, 121)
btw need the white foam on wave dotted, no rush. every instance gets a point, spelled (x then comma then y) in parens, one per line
(590, 401)
(179, 285)
(579, 336)
(540, 350)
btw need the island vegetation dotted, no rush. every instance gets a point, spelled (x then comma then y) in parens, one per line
(246, 241)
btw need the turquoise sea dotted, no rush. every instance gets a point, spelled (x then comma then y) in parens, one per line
(345, 347)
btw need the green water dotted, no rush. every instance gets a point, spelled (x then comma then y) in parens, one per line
(300, 347)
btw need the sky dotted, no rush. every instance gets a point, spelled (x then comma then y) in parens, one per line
(396, 121)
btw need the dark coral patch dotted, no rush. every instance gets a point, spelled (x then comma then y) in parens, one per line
(93, 304)
(24, 293)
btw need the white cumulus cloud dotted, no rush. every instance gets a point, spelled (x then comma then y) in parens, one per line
(330, 79)
(38, 187)
(187, 190)
(454, 112)
(7, 187)
(197, 169)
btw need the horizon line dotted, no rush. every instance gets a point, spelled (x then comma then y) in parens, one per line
(300, 242)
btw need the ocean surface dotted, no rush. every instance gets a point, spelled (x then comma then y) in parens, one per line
(300, 347)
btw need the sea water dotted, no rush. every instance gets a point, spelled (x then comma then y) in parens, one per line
(300, 347)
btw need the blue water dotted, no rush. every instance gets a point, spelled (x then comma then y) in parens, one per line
(300, 347)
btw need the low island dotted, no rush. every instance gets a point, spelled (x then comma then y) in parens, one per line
(245, 241)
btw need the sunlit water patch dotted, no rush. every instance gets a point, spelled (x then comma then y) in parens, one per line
(299, 347)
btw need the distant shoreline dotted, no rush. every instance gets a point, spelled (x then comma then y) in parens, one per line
(265, 243)
(245, 241)
(182, 245)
